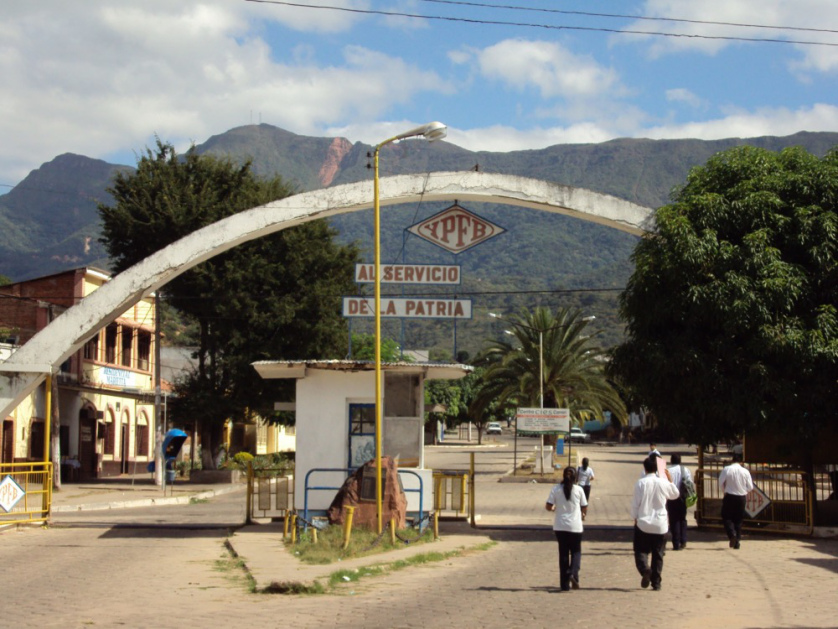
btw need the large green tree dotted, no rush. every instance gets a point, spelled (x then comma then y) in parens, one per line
(274, 298)
(573, 371)
(731, 310)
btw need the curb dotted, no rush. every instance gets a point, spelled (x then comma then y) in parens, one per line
(143, 502)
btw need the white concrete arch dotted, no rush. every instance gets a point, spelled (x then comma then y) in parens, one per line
(27, 367)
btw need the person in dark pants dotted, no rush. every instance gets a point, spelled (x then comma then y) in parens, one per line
(677, 509)
(568, 501)
(584, 476)
(648, 508)
(735, 481)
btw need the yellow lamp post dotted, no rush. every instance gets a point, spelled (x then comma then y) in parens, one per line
(431, 131)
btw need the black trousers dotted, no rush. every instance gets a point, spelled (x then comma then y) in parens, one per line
(646, 544)
(733, 512)
(677, 511)
(570, 556)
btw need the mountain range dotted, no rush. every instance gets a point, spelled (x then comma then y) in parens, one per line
(49, 222)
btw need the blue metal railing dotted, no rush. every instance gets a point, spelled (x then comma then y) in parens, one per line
(347, 471)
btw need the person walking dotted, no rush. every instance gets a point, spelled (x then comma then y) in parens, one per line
(735, 481)
(677, 508)
(648, 508)
(584, 476)
(567, 500)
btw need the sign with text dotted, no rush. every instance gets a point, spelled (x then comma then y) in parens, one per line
(543, 420)
(10, 493)
(755, 502)
(455, 229)
(118, 377)
(409, 274)
(408, 308)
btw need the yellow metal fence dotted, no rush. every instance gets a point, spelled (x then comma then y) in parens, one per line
(451, 492)
(25, 492)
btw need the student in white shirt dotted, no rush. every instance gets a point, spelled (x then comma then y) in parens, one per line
(584, 476)
(735, 481)
(568, 501)
(677, 508)
(648, 508)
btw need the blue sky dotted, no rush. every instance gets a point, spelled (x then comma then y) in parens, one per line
(102, 77)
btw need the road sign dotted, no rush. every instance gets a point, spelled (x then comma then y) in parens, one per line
(542, 420)
(413, 308)
(10, 493)
(456, 229)
(755, 502)
(409, 274)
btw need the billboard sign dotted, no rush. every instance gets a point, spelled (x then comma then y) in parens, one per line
(543, 420)
(408, 308)
(455, 229)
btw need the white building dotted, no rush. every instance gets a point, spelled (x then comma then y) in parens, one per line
(335, 413)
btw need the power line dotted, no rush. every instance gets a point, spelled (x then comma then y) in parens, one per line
(487, 5)
(555, 27)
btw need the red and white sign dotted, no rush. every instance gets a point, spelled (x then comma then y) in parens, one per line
(542, 420)
(456, 229)
(409, 274)
(755, 502)
(10, 493)
(408, 308)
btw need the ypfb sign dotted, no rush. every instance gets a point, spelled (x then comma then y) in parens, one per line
(408, 308)
(456, 229)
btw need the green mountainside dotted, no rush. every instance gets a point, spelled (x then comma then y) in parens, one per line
(49, 222)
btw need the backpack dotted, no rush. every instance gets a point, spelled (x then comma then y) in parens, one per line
(687, 490)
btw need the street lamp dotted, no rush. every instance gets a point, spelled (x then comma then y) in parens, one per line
(431, 131)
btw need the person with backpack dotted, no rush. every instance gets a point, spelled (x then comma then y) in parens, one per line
(584, 476)
(676, 508)
(570, 505)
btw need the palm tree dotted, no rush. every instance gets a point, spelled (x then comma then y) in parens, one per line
(573, 370)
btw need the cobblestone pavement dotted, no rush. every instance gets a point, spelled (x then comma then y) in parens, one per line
(101, 576)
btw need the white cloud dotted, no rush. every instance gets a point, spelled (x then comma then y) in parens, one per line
(106, 79)
(764, 121)
(683, 95)
(768, 19)
(551, 68)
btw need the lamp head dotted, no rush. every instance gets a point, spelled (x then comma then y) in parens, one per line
(431, 132)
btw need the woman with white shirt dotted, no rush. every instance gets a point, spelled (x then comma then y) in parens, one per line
(584, 476)
(568, 501)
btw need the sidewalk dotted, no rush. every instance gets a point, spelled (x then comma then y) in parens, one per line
(127, 492)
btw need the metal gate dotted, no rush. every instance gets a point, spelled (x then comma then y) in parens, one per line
(25, 492)
(789, 506)
(453, 493)
(270, 492)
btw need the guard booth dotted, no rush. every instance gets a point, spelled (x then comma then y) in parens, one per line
(335, 417)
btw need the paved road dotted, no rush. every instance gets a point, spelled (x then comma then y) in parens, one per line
(104, 576)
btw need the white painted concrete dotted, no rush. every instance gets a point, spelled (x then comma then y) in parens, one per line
(25, 369)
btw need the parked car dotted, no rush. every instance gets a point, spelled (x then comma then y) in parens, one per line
(494, 428)
(578, 435)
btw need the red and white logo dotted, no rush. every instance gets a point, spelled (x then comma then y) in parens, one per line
(456, 229)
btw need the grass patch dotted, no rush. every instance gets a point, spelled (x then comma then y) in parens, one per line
(329, 546)
(234, 569)
(194, 500)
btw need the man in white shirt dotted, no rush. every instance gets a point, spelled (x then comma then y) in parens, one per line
(677, 508)
(735, 481)
(648, 508)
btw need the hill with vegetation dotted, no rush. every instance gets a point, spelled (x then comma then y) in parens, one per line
(49, 222)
